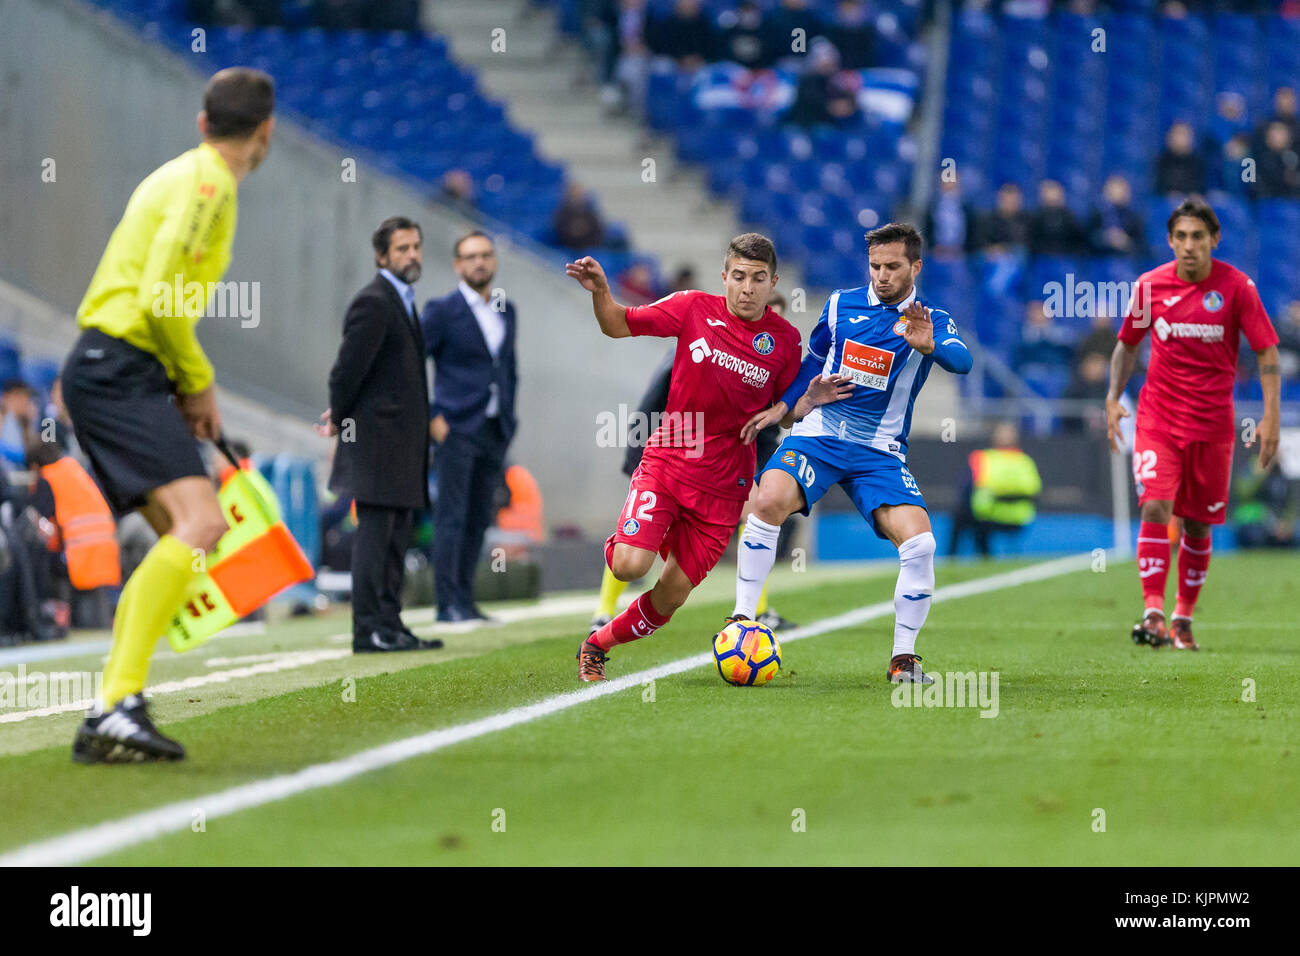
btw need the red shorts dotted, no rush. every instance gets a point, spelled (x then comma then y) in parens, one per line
(1194, 475)
(693, 526)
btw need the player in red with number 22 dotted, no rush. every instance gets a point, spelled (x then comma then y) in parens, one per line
(1182, 452)
(734, 356)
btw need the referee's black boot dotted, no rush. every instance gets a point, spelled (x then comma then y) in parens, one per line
(124, 734)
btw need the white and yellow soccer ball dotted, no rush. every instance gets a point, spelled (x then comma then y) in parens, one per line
(747, 653)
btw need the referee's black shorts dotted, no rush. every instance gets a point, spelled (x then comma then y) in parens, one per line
(125, 417)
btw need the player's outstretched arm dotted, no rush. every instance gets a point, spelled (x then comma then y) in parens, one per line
(1122, 362)
(1268, 432)
(822, 390)
(611, 316)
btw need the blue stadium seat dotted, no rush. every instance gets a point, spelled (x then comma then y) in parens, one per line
(10, 360)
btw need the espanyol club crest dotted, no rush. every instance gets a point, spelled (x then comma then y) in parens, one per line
(900, 326)
(764, 343)
(1212, 301)
(788, 458)
(631, 526)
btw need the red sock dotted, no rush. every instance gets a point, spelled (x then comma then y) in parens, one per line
(1153, 563)
(1193, 565)
(640, 619)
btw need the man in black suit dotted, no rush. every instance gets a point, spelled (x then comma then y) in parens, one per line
(470, 335)
(378, 409)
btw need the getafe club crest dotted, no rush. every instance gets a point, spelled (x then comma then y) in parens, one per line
(631, 526)
(1212, 301)
(764, 343)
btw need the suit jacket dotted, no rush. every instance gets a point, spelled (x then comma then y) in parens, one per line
(464, 365)
(379, 382)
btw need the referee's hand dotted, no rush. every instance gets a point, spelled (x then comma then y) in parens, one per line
(201, 415)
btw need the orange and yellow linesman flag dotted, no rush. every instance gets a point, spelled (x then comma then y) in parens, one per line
(255, 560)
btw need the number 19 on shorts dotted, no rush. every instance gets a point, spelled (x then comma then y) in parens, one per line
(805, 472)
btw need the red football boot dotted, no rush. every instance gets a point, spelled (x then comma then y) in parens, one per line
(1180, 634)
(1152, 630)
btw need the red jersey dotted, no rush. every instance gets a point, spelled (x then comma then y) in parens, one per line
(1197, 326)
(725, 371)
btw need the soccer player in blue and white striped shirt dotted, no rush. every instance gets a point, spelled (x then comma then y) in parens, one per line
(872, 349)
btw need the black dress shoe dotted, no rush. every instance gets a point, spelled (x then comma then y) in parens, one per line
(477, 614)
(380, 642)
(421, 644)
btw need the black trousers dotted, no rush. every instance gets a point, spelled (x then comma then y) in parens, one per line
(378, 567)
(469, 467)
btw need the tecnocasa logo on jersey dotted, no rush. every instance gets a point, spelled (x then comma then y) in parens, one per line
(1205, 331)
(750, 373)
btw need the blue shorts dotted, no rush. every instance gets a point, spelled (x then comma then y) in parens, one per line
(870, 477)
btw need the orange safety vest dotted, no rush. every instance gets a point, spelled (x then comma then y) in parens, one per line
(524, 512)
(86, 524)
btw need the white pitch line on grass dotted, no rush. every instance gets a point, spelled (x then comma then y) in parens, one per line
(289, 660)
(32, 653)
(110, 837)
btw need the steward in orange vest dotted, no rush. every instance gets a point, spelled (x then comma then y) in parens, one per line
(86, 526)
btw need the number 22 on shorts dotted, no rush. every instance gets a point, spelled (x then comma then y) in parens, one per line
(1144, 465)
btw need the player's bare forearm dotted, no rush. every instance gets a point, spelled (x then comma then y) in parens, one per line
(1270, 381)
(611, 316)
(799, 412)
(801, 409)
(1122, 362)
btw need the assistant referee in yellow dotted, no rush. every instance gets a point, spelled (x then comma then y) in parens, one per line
(140, 390)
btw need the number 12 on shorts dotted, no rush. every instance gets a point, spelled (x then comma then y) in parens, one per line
(648, 501)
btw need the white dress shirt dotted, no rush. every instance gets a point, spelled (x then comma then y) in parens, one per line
(493, 326)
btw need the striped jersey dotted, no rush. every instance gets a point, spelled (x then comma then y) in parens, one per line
(862, 337)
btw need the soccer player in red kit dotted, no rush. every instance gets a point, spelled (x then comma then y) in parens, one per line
(734, 357)
(1196, 307)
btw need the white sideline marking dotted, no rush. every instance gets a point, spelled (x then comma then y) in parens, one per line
(31, 653)
(424, 617)
(287, 661)
(104, 838)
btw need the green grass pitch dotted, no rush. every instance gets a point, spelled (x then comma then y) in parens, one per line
(819, 767)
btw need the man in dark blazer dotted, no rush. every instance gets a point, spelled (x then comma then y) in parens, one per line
(470, 335)
(379, 411)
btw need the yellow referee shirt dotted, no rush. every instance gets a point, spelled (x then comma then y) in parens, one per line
(152, 284)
